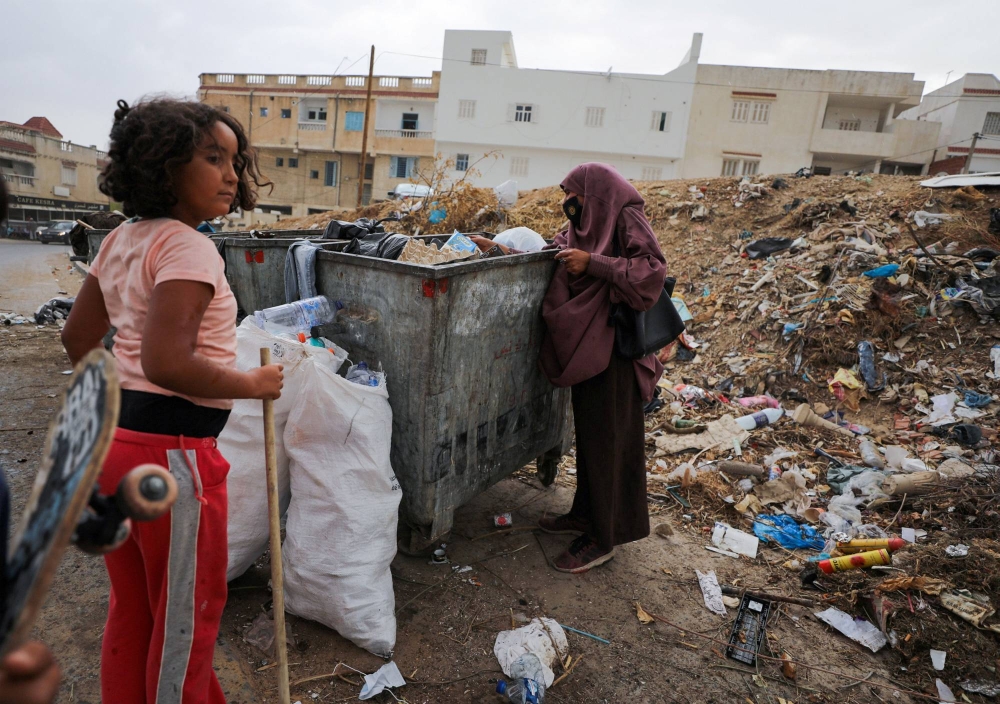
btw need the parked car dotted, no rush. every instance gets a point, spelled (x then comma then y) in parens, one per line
(37, 229)
(410, 190)
(56, 232)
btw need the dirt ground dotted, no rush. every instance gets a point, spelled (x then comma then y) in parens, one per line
(448, 621)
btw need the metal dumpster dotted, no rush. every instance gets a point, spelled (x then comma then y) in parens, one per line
(255, 268)
(459, 344)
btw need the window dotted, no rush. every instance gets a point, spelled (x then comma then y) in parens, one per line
(992, 123)
(849, 125)
(462, 162)
(263, 112)
(661, 122)
(410, 120)
(652, 173)
(331, 174)
(402, 166)
(593, 117)
(369, 170)
(316, 114)
(68, 175)
(732, 166)
(478, 57)
(354, 121)
(279, 161)
(466, 109)
(522, 113)
(293, 162)
(255, 78)
(519, 166)
(224, 78)
(741, 108)
(760, 113)
(287, 80)
(313, 173)
(286, 113)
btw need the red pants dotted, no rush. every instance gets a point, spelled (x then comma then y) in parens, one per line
(168, 581)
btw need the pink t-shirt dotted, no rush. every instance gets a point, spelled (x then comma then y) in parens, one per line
(137, 256)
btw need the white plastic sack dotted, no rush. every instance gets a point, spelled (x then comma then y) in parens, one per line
(521, 238)
(340, 535)
(242, 442)
(544, 637)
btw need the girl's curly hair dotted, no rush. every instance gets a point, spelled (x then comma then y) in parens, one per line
(151, 139)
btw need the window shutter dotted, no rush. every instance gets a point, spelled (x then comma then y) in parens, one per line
(393, 166)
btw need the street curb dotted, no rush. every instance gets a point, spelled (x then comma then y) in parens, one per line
(81, 267)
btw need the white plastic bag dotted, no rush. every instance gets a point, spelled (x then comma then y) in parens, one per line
(340, 535)
(242, 442)
(521, 238)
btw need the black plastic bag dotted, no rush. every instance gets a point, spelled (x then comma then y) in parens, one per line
(762, 248)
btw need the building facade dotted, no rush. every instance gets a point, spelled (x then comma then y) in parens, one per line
(964, 107)
(533, 126)
(308, 134)
(47, 177)
(747, 120)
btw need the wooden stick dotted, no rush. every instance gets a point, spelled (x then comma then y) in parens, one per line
(274, 520)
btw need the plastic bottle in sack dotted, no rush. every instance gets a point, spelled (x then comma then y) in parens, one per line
(759, 420)
(296, 317)
(360, 374)
(528, 685)
(870, 455)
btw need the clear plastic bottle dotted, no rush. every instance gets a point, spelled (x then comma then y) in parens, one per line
(361, 374)
(296, 317)
(760, 419)
(528, 681)
(869, 454)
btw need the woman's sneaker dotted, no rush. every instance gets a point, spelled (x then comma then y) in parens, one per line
(583, 554)
(563, 525)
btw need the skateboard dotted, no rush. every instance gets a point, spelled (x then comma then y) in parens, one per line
(65, 506)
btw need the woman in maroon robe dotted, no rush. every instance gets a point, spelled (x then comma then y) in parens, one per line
(609, 391)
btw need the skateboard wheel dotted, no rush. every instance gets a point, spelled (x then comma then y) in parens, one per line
(146, 493)
(122, 532)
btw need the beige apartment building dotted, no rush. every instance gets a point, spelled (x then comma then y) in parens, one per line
(47, 177)
(748, 120)
(308, 134)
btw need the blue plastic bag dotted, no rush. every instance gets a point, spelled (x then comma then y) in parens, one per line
(977, 400)
(882, 271)
(787, 532)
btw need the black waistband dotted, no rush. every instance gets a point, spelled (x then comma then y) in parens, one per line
(146, 412)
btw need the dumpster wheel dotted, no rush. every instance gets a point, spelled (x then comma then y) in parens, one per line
(548, 469)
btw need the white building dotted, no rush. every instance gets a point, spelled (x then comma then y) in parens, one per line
(543, 123)
(747, 120)
(963, 107)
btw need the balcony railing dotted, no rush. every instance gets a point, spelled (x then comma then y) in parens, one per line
(411, 134)
(19, 179)
(312, 126)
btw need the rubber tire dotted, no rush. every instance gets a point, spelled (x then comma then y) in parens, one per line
(548, 469)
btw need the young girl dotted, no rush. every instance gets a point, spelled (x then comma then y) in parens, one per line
(173, 164)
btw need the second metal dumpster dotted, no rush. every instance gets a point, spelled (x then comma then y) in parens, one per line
(459, 344)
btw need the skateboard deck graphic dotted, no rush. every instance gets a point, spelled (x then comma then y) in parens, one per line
(75, 447)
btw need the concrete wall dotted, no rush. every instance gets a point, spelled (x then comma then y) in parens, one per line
(961, 108)
(869, 117)
(389, 114)
(557, 132)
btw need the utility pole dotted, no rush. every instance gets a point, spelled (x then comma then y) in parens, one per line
(972, 150)
(364, 137)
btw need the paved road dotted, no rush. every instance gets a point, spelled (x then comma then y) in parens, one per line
(26, 277)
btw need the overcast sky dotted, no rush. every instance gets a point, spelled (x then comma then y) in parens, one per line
(70, 60)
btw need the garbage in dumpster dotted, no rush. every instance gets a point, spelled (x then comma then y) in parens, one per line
(523, 239)
(361, 374)
(420, 252)
(296, 317)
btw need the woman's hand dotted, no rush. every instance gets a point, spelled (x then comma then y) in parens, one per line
(29, 675)
(267, 381)
(576, 260)
(486, 244)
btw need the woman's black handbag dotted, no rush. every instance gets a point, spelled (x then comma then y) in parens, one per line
(641, 333)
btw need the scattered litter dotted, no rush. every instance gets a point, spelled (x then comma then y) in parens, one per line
(944, 692)
(959, 550)
(542, 636)
(749, 630)
(857, 629)
(938, 658)
(711, 592)
(386, 677)
(725, 537)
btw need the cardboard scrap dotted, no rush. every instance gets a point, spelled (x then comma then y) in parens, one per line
(718, 433)
(726, 537)
(927, 585)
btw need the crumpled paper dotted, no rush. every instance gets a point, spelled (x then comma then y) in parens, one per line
(789, 490)
(712, 592)
(542, 636)
(718, 433)
(385, 677)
